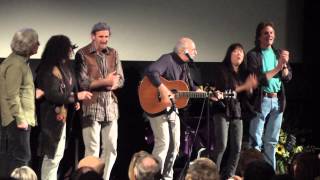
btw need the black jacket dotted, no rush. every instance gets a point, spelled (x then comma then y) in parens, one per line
(254, 65)
(58, 92)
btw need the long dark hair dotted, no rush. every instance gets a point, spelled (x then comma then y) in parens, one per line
(227, 59)
(56, 51)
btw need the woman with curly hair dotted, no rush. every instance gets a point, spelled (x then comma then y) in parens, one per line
(55, 77)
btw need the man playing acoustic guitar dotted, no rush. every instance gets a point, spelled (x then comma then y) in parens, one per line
(166, 124)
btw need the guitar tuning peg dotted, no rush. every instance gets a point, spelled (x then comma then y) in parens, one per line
(234, 94)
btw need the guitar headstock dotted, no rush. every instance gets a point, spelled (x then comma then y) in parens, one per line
(226, 94)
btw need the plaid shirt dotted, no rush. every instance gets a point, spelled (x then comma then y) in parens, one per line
(106, 106)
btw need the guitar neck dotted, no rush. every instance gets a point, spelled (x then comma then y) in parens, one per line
(191, 94)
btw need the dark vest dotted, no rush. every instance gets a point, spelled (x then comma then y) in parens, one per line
(93, 69)
(90, 60)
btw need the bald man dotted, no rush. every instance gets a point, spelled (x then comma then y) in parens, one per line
(166, 125)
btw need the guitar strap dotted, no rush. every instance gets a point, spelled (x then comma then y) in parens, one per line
(189, 79)
(185, 75)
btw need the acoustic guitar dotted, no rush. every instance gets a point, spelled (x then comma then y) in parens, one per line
(150, 100)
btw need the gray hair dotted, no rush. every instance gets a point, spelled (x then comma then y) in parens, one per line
(100, 26)
(23, 41)
(180, 45)
(24, 173)
(148, 170)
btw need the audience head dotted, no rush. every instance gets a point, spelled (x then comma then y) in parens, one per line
(92, 162)
(259, 170)
(147, 168)
(133, 162)
(85, 173)
(25, 42)
(24, 173)
(282, 177)
(202, 169)
(144, 166)
(305, 165)
(246, 157)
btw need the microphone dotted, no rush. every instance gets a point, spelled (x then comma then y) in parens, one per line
(285, 66)
(186, 52)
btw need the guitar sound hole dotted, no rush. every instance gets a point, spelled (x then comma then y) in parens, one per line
(174, 91)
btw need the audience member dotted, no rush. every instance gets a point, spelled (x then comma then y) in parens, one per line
(144, 166)
(282, 177)
(258, 170)
(93, 162)
(133, 161)
(305, 165)
(246, 157)
(202, 169)
(24, 173)
(86, 173)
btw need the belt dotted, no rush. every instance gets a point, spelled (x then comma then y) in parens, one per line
(270, 95)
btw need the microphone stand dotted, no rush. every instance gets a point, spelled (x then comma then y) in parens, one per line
(208, 146)
(208, 128)
(182, 173)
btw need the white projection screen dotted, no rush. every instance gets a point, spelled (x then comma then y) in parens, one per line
(142, 30)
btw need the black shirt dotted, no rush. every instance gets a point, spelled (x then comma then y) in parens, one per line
(226, 79)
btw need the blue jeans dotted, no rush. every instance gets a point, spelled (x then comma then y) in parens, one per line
(265, 137)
